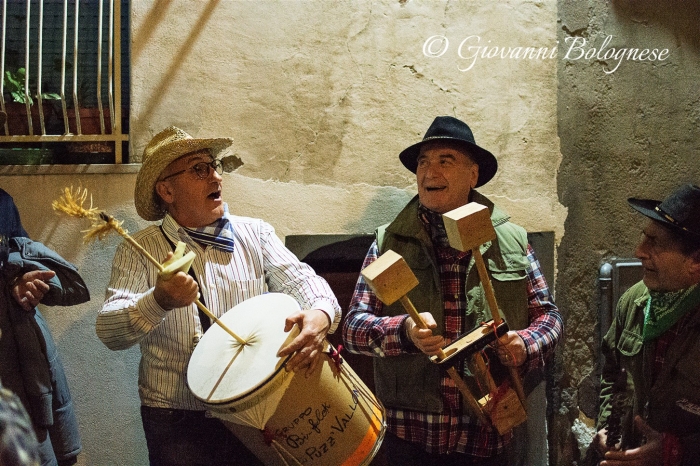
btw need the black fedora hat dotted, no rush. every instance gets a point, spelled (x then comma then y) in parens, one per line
(447, 128)
(679, 211)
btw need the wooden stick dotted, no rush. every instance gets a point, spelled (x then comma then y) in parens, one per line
(452, 372)
(197, 301)
(491, 299)
(71, 203)
(411, 309)
(479, 367)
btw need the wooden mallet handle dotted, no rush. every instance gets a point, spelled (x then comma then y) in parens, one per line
(468, 227)
(452, 372)
(491, 299)
(391, 279)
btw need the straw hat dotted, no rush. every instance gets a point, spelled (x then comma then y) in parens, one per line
(166, 147)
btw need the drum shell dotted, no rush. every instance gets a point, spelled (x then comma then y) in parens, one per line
(327, 418)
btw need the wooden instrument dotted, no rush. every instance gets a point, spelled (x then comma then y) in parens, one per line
(468, 227)
(391, 279)
(328, 418)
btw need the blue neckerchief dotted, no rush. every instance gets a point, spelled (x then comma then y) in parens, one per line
(218, 234)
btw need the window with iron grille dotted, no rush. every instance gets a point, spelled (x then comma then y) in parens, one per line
(65, 69)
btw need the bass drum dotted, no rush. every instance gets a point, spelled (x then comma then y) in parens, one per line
(329, 418)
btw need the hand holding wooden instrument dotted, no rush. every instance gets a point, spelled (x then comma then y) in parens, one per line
(391, 279)
(468, 227)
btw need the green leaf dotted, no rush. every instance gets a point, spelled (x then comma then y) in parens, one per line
(50, 96)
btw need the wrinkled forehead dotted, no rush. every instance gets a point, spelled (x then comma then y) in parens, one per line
(434, 147)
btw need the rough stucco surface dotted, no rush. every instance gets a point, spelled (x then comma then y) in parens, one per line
(330, 94)
(320, 97)
(630, 133)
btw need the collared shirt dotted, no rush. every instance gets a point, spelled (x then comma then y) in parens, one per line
(366, 333)
(130, 314)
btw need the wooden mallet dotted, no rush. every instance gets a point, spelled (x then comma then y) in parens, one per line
(391, 279)
(468, 227)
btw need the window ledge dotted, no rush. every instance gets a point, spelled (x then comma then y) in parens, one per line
(83, 169)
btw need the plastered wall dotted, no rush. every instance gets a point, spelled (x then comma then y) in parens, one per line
(320, 97)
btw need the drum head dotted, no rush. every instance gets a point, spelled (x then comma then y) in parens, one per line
(222, 371)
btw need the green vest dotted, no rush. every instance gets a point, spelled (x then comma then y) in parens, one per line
(411, 381)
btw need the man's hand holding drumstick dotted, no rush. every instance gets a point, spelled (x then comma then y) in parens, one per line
(176, 290)
(309, 344)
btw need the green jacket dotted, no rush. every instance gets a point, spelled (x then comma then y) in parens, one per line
(411, 381)
(656, 402)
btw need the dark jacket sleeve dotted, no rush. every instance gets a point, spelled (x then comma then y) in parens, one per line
(41, 370)
(67, 288)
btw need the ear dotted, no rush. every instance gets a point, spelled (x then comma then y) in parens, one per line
(474, 175)
(693, 266)
(165, 192)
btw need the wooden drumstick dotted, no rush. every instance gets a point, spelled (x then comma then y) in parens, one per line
(391, 279)
(71, 203)
(468, 227)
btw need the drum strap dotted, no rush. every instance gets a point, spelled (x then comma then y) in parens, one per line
(203, 318)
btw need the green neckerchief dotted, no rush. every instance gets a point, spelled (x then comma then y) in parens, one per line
(664, 308)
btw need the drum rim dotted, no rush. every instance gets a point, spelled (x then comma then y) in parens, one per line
(261, 388)
(268, 384)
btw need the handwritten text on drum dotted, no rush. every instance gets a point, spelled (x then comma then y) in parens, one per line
(317, 420)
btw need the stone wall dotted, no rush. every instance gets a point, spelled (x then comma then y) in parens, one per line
(628, 128)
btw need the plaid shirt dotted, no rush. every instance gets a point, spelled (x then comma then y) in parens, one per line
(664, 342)
(366, 333)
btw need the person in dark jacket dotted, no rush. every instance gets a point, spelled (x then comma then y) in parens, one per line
(654, 419)
(31, 273)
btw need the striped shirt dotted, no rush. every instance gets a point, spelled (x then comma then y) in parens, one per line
(131, 315)
(452, 430)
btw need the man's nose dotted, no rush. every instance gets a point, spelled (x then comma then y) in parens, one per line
(431, 170)
(640, 251)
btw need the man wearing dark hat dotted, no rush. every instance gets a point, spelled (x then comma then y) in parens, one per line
(236, 258)
(427, 422)
(655, 337)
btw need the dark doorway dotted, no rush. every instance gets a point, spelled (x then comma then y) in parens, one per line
(338, 259)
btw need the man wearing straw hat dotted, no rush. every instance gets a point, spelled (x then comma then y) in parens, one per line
(427, 424)
(655, 337)
(180, 182)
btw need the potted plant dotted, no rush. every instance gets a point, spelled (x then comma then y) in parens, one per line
(17, 109)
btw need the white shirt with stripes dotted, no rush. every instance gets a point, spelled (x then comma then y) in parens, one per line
(131, 315)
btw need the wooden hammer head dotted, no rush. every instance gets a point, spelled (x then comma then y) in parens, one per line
(389, 277)
(469, 226)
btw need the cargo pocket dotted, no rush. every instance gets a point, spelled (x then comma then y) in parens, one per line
(630, 343)
(408, 382)
(510, 287)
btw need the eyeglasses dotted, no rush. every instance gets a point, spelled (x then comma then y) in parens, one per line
(201, 169)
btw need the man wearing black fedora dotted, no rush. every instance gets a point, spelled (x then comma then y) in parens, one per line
(427, 422)
(655, 337)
